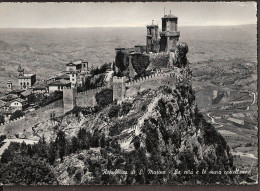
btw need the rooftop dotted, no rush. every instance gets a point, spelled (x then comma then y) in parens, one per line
(59, 83)
(75, 63)
(152, 26)
(9, 97)
(26, 76)
(64, 76)
(170, 16)
(19, 100)
(17, 91)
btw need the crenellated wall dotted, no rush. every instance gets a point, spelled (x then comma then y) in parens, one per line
(87, 98)
(150, 82)
(9, 127)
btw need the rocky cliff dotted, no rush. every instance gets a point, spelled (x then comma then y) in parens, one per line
(157, 136)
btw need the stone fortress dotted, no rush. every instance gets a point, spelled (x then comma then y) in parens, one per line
(127, 86)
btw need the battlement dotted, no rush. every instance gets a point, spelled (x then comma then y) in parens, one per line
(91, 91)
(12, 121)
(117, 79)
(157, 75)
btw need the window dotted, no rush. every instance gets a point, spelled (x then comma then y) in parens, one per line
(27, 83)
(21, 83)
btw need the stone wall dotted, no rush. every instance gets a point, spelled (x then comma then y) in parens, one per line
(9, 126)
(69, 101)
(119, 88)
(150, 82)
(87, 98)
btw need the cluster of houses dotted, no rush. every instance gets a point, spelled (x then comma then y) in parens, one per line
(17, 98)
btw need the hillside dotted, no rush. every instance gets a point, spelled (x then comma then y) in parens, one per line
(157, 132)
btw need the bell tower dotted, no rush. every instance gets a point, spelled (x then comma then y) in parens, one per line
(9, 85)
(170, 34)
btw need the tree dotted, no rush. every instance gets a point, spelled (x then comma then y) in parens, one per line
(52, 152)
(140, 63)
(103, 141)
(75, 144)
(17, 114)
(32, 98)
(83, 141)
(2, 118)
(61, 143)
(121, 61)
(104, 97)
(113, 111)
(24, 170)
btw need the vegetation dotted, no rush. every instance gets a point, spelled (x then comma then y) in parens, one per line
(100, 70)
(2, 138)
(121, 61)
(140, 63)
(104, 97)
(2, 118)
(17, 114)
(55, 96)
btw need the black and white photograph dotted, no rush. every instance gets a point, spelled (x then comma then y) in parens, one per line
(128, 93)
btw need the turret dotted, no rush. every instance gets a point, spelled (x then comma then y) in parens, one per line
(169, 35)
(152, 38)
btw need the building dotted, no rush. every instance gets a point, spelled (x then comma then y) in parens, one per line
(40, 89)
(170, 34)
(77, 66)
(18, 104)
(26, 81)
(58, 86)
(17, 92)
(73, 78)
(152, 39)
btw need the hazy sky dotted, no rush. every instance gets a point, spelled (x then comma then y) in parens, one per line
(51, 15)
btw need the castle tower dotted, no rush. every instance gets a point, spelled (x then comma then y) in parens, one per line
(9, 85)
(152, 44)
(69, 99)
(119, 88)
(169, 35)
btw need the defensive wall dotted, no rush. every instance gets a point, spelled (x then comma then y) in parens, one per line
(7, 127)
(87, 98)
(24, 125)
(121, 89)
(150, 82)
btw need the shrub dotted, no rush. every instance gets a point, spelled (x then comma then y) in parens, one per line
(126, 107)
(55, 96)
(113, 111)
(17, 114)
(249, 145)
(104, 97)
